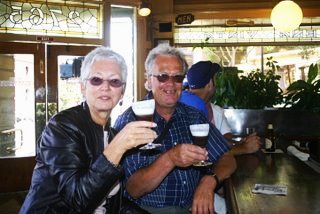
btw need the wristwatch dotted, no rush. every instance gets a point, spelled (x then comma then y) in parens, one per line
(216, 178)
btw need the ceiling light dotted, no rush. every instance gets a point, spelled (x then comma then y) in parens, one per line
(144, 9)
(286, 16)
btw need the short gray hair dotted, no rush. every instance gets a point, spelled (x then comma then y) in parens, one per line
(164, 49)
(102, 53)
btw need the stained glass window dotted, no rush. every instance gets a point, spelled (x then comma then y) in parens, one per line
(216, 31)
(55, 18)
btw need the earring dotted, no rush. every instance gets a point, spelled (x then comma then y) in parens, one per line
(120, 102)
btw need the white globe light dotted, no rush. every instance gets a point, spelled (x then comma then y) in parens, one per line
(286, 16)
(144, 11)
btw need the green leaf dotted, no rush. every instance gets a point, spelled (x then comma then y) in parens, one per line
(312, 73)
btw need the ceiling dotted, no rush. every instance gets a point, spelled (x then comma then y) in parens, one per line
(240, 8)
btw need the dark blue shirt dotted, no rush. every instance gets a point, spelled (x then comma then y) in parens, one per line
(178, 187)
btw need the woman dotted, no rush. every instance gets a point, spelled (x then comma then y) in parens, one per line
(75, 171)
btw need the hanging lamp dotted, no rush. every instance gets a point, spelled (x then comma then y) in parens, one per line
(286, 16)
(144, 9)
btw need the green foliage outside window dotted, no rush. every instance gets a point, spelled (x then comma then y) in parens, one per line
(305, 95)
(257, 90)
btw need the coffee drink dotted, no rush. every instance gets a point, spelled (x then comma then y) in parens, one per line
(200, 134)
(144, 109)
(200, 140)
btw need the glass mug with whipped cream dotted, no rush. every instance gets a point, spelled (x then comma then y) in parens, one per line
(199, 134)
(144, 112)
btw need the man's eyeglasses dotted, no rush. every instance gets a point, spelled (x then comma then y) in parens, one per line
(165, 77)
(96, 81)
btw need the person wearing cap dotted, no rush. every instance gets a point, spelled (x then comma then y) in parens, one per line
(164, 180)
(201, 81)
(194, 101)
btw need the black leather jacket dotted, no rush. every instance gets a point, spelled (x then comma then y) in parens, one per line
(71, 175)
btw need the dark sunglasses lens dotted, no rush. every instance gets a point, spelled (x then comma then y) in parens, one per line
(162, 77)
(116, 83)
(178, 78)
(96, 81)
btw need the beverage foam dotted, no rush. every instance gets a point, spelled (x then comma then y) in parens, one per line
(198, 133)
(144, 107)
(199, 130)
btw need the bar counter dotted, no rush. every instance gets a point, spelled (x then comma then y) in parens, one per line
(303, 185)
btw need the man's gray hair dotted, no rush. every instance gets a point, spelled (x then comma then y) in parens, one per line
(164, 49)
(102, 53)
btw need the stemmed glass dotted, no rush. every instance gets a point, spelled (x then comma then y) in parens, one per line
(144, 111)
(199, 134)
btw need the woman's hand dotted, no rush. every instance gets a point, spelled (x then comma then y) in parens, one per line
(132, 135)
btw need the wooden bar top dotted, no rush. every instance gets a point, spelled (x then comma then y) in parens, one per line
(302, 181)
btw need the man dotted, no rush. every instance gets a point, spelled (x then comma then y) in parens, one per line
(201, 80)
(186, 97)
(163, 180)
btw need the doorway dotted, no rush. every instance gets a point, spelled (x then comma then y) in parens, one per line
(29, 96)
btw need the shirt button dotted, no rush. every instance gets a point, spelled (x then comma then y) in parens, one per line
(175, 143)
(184, 182)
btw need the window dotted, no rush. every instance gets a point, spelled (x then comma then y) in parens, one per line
(17, 123)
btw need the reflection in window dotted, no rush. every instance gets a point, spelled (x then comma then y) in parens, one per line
(69, 91)
(17, 105)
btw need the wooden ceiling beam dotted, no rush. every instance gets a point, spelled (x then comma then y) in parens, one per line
(240, 8)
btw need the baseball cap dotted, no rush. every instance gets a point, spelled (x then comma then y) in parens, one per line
(201, 72)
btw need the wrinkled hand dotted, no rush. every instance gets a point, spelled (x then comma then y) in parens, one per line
(184, 155)
(251, 143)
(203, 198)
(134, 134)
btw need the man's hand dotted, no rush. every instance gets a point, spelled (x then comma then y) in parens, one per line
(251, 143)
(148, 178)
(203, 198)
(184, 155)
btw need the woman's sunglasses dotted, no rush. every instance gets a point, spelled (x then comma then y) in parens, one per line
(96, 81)
(165, 77)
